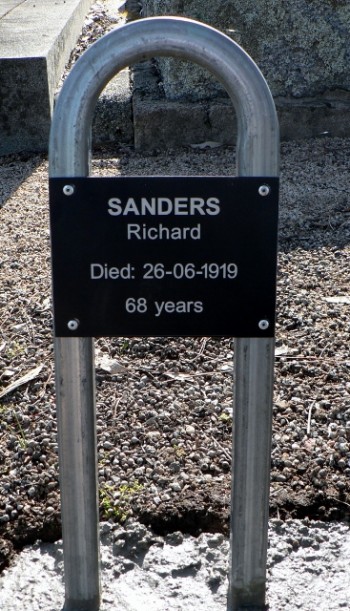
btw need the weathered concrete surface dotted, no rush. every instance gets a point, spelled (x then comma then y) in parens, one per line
(36, 39)
(301, 47)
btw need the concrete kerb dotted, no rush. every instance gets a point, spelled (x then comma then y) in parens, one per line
(36, 40)
(161, 123)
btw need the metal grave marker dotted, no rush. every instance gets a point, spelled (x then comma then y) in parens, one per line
(136, 256)
(113, 272)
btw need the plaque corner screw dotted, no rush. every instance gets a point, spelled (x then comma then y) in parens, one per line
(73, 324)
(264, 190)
(263, 324)
(68, 190)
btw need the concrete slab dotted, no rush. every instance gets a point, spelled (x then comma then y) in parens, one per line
(36, 38)
(7, 5)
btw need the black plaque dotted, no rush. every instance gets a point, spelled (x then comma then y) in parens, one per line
(152, 256)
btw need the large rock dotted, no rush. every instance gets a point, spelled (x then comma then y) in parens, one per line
(301, 46)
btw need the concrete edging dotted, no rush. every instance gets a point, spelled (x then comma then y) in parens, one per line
(35, 44)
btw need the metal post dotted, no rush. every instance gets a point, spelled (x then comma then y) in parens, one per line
(257, 155)
(251, 455)
(78, 471)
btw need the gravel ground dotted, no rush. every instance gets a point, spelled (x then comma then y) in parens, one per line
(164, 405)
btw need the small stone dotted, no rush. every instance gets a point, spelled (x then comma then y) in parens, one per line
(176, 486)
(306, 541)
(190, 430)
(107, 445)
(105, 528)
(118, 546)
(139, 471)
(174, 467)
(128, 565)
(175, 538)
(279, 477)
(215, 540)
(214, 580)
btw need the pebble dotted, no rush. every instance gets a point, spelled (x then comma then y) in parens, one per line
(175, 486)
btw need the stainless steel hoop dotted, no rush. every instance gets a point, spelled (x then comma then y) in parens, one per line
(257, 155)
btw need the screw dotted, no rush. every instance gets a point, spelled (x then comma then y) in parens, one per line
(73, 324)
(68, 189)
(264, 190)
(263, 325)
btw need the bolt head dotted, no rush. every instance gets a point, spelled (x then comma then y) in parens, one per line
(73, 324)
(264, 190)
(263, 325)
(68, 190)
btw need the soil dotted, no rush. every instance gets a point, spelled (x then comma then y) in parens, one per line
(164, 405)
